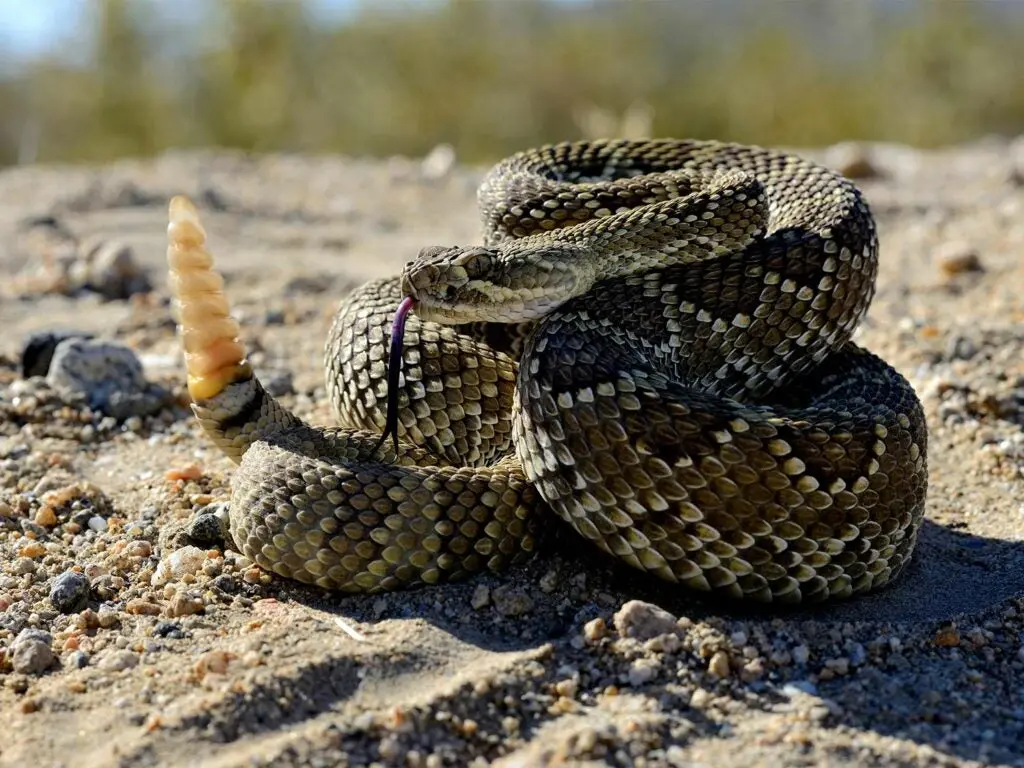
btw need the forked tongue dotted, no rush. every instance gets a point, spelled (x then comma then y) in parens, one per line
(395, 371)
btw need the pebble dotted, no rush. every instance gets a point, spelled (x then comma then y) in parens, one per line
(109, 268)
(956, 258)
(852, 159)
(438, 162)
(70, 592)
(139, 607)
(119, 659)
(46, 517)
(208, 528)
(801, 654)
(700, 698)
(512, 601)
(212, 663)
(38, 348)
(643, 621)
(183, 605)
(109, 376)
(719, 664)
(642, 671)
(76, 660)
(594, 630)
(170, 630)
(31, 652)
(33, 550)
(798, 687)
(481, 597)
(187, 560)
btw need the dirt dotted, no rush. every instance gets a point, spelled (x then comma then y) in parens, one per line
(208, 661)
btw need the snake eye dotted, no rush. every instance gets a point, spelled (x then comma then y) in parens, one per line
(476, 262)
(448, 293)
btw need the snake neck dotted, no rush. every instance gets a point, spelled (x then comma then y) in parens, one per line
(228, 400)
(525, 279)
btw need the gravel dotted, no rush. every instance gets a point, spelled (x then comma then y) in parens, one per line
(122, 604)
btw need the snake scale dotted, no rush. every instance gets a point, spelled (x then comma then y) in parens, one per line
(653, 342)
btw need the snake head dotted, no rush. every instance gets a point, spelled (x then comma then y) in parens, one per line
(512, 283)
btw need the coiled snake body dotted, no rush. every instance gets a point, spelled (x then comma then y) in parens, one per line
(653, 342)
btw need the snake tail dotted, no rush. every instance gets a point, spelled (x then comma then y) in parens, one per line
(228, 399)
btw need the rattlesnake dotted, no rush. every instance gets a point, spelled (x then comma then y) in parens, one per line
(687, 396)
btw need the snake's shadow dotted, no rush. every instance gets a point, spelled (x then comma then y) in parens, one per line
(951, 573)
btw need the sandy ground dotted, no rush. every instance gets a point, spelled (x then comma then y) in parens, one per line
(220, 665)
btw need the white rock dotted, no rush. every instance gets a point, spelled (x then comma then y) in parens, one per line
(180, 562)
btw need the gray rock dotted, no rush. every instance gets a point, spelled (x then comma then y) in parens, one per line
(76, 660)
(70, 592)
(643, 621)
(38, 349)
(108, 375)
(209, 526)
(512, 601)
(31, 653)
(119, 659)
(109, 268)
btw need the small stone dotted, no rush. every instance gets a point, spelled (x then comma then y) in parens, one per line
(186, 472)
(956, 259)
(119, 659)
(97, 523)
(33, 550)
(799, 687)
(438, 163)
(225, 583)
(170, 630)
(46, 517)
(512, 601)
(139, 607)
(801, 654)
(209, 527)
(719, 664)
(567, 687)
(140, 548)
(109, 376)
(700, 698)
(642, 671)
(664, 644)
(182, 605)
(38, 349)
(947, 636)
(481, 597)
(212, 663)
(70, 592)
(752, 670)
(643, 621)
(594, 630)
(549, 582)
(31, 652)
(852, 160)
(76, 660)
(109, 268)
(187, 560)
(23, 565)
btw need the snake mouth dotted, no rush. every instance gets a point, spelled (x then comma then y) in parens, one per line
(395, 372)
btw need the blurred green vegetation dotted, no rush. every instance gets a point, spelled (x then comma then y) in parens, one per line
(494, 76)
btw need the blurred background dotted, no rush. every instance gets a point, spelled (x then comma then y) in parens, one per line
(93, 80)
